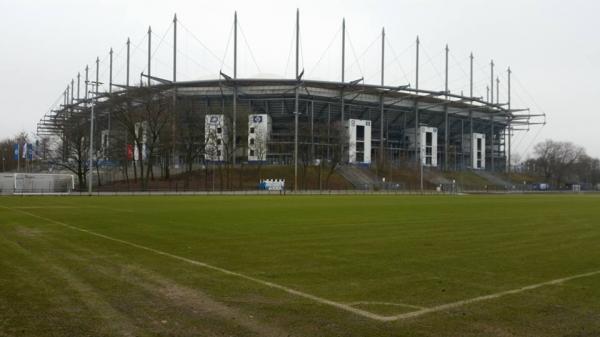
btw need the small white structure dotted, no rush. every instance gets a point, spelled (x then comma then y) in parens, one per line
(474, 145)
(7, 183)
(215, 137)
(259, 132)
(141, 133)
(359, 141)
(426, 143)
(36, 183)
(272, 184)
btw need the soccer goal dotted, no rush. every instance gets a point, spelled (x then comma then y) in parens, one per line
(37, 184)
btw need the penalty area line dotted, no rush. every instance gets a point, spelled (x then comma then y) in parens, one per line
(457, 304)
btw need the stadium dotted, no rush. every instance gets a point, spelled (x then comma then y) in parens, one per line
(281, 121)
(158, 200)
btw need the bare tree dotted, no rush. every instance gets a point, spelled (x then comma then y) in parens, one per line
(9, 163)
(71, 147)
(191, 134)
(145, 114)
(556, 159)
(258, 147)
(333, 152)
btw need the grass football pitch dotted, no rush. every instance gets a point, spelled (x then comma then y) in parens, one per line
(514, 265)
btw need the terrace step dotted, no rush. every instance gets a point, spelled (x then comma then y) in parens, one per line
(360, 177)
(492, 178)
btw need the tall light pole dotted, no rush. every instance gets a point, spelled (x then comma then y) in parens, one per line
(342, 99)
(417, 133)
(91, 151)
(509, 125)
(296, 112)
(381, 102)
(470, 109)
(110, 82)
(149, 56)
(492, 152)
(128, 63)
(234, 145)
(447, 129)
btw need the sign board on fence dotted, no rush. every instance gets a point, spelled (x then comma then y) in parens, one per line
(272, 185)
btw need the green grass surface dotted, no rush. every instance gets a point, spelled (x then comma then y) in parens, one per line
(383, 254)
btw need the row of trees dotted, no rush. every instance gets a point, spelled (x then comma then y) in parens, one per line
(9, 163)
(563, 163)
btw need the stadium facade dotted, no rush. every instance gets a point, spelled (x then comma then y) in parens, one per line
(290, 121)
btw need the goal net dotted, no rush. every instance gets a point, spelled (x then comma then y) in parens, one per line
(35, 183)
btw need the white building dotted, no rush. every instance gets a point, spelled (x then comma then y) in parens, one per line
(215, 137)
(259, 132)
(359, 141)
(474, 145)
(426, 143)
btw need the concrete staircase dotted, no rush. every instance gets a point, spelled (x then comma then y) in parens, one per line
(435, 177)
(361, 178)
(493, 179)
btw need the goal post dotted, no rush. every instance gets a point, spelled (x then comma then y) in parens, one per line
(42, 184)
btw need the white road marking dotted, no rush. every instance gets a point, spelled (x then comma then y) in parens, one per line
(321, 300)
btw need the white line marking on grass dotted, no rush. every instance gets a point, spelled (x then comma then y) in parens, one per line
(44, 207)
(318, 299)
(390, 304)
(219, 269)
(486, 297)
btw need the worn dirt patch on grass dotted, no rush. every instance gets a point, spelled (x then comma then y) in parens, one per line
(198, 302)
(28, 232)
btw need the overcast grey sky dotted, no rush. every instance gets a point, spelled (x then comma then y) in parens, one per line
(552, 46)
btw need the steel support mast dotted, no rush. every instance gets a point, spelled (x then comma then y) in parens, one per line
(235, 28)
(296, 108)
(446, 136)
(381, 98)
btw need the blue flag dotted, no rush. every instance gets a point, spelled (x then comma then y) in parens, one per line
(16, 148)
